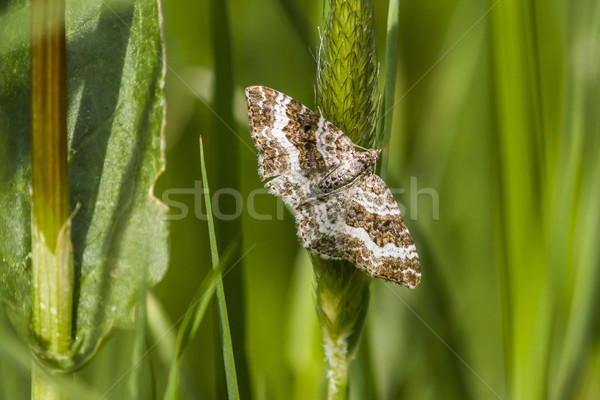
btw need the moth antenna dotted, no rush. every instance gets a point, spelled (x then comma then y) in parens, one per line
(362, 148)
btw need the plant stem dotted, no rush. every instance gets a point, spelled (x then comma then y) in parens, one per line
(346, 95)
(49, 118)
(42, 387)
(336, 354)
(342, 301)
(52, 260)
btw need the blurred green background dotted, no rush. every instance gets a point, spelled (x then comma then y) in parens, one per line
(494, 155)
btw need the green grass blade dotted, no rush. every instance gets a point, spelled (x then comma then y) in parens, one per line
(193, 317)
(138, 349)
(522, 203)
(230, 373)
(206, 289)
(299, 21)
(225, 142)
(189, 327)
(578, 191)
(390, 68)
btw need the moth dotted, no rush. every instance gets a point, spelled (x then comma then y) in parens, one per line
(343, 210)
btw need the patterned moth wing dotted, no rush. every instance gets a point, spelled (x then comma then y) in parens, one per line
(343, 210)
(362, 224)
(292, 141)
(289, 137)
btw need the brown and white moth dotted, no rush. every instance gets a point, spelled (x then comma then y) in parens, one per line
(343, 209)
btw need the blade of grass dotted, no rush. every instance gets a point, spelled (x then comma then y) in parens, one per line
(390, 66)
(226, 146)
(523, 267)
(298, 20)
(578, 191)
(160, 331)
(583, 315)
(230, 373)
(138, 349)
(193, 317)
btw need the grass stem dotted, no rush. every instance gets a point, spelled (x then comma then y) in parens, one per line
(347, 96)
(52, 251)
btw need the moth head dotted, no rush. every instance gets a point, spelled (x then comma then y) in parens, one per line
(369, 157)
